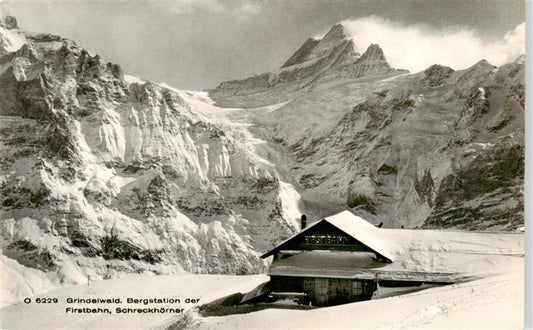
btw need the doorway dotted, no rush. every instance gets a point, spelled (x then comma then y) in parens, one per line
(322, 291)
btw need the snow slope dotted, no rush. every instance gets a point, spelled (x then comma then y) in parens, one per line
(11, 40)
(493, 301)
(52, 316)
(490, 303)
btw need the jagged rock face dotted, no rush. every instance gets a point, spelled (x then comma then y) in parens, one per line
(310, 60)
(303, 53)
(316, 62)
(486, 189)
(102, 175)
(316, 49)
(436, 75)
(440, 148)
(371, 63)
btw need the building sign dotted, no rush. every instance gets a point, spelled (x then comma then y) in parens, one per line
(325, 240)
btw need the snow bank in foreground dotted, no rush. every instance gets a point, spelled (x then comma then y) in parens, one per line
(19, 281)
(491, 303)
(203, 287)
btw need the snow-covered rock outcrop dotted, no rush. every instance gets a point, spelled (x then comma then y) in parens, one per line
(102, 174)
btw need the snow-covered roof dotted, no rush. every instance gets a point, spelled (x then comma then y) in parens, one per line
(364, 232)
(259, 291)
(354, 226)
(325, 262)
(353, 265)
(418, 249)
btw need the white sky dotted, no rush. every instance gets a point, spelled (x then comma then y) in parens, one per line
(416, 47)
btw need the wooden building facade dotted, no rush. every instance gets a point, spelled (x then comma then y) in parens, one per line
(328, 263)
(323, 291)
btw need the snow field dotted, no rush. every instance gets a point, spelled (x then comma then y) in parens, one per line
(495, 302)
(53, 316)
(494, 299)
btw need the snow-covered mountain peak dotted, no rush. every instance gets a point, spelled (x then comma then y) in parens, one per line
(332, 57)
(333, 45)
(335, 34)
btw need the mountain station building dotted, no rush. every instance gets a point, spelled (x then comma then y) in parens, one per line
(340, 259)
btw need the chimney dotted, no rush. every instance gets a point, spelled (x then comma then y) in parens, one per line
(303, 222)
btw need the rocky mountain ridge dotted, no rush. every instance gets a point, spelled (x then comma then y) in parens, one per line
(439, 148)
(332, 57)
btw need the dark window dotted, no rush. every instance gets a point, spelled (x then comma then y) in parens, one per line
(357, 289)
